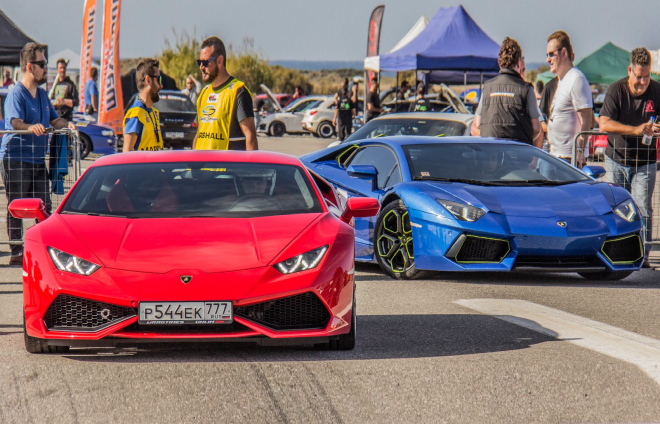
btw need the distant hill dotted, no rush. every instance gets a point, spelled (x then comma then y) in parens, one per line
(317, 65)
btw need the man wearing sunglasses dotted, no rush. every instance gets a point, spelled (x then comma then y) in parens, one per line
(142, 120)
(27, 107)
(225, 117)
(571, 110)
(629, 105)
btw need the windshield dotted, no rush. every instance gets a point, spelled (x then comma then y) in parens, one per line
(196, 189)
(408, 126)
(302, 104)
(488, 164)
(174, 103)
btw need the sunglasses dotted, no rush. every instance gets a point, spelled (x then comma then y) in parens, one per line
(41, 63)
(158, 78)
(553, 53)
(201, 62)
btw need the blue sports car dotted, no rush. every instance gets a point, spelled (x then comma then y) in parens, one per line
(479, 204)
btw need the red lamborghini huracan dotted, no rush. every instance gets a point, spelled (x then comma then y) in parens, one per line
(194, 245)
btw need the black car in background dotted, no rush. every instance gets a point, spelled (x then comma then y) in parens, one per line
(178, 123)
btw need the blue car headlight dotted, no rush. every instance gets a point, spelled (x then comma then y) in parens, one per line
(108, 133)
(461, 211)
(303, 262)
(67, 262)
(627, 210)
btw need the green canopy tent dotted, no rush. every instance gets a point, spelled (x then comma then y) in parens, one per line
(604, 66)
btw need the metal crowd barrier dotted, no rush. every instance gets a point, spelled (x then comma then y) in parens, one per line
(595, 153)
(50, 181)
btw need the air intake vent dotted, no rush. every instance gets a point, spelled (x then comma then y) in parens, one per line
(624, 250)
(475, 249)
(302, 311)
(77, 314)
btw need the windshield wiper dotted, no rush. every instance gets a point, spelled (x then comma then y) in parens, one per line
(92, 214)
(537, 182)
(456, 180)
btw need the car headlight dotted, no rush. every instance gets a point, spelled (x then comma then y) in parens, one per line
(66, 262)
(107, 133)
(461, 211)
(307, 260)
(627, 210)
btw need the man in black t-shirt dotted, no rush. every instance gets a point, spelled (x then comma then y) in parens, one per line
(344, 112)
(400, 104)
(629, 105)
(421, 103)
(373, 101)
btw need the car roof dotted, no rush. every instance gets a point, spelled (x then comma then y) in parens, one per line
(198, 156)
(445, 116)
(402, 140)
(171, 92)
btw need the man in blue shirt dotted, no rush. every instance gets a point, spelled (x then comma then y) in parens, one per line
(92, 93)
(27, 108)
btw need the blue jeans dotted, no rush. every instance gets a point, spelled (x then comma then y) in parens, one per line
(639, 181)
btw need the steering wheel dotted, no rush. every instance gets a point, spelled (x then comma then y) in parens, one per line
(250, 197)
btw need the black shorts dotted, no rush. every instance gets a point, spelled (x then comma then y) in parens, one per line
(344, 129)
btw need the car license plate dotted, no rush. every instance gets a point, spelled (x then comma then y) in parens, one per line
(176, 135)
(185, 313)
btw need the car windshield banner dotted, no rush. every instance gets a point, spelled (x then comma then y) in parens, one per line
(111, 104)
(373, 38)
(89, 23)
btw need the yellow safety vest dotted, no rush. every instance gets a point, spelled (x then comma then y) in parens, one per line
(215, 111)
(149, 136)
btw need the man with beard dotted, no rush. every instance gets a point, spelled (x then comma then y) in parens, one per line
(27, 108)
(142, 120)
(225, 117)
(64, 93)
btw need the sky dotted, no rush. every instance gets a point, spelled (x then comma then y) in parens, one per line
(337, 29)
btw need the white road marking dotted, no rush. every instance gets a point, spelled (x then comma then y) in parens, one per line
(611, 341)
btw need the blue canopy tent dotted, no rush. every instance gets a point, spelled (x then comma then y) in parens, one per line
(453, 42)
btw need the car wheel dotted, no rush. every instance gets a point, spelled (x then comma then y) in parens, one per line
(277, 129)
(605, 275)
(325, 130)
(86, 146)
(35, 345)
(393, 243)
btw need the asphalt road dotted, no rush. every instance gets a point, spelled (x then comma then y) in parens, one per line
(427, 352)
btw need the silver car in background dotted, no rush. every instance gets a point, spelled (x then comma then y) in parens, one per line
(318, 120)
(433, 124)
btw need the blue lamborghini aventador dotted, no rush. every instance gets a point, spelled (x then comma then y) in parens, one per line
(478, 204)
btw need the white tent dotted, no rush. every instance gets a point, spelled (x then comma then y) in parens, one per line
(373, 63)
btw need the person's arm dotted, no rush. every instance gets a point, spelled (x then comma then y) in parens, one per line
(250, 133)
(74, 96)
(129, 142)
(538, 134)
(335, 116)
(60, 123)
(475, 128)
(198, 84)
(19, 125)
(611, 126)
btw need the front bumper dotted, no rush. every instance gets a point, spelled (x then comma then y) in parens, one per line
(258, 296)
(499, 243)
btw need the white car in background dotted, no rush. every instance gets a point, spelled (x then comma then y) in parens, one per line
(286, 120)
(318, 120)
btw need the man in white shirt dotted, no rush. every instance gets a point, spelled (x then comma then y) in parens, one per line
(572, 105)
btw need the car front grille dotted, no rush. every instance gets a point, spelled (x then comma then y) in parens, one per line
(175, 330)
(557, 262)
(623, 250)
(476, 249)
(77, 314)
(302, 311)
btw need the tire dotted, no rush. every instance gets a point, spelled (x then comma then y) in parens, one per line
(35, 345)
(393, 243)
(87, 146)
(277, 129)
(605, 275)
(325, 129)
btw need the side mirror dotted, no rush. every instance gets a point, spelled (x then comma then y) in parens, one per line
(368, 172)
(28, 209)
(360, 207)
(594, 171)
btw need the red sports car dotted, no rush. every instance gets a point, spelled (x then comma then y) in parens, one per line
(205, 245)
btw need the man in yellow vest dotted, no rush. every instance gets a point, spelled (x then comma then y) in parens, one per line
(225, 117)
(142, 120)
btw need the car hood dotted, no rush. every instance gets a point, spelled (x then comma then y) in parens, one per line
(571, 200)
(205, 244)
(271, 97)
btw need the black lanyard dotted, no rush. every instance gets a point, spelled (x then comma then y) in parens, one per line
(153, 120)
